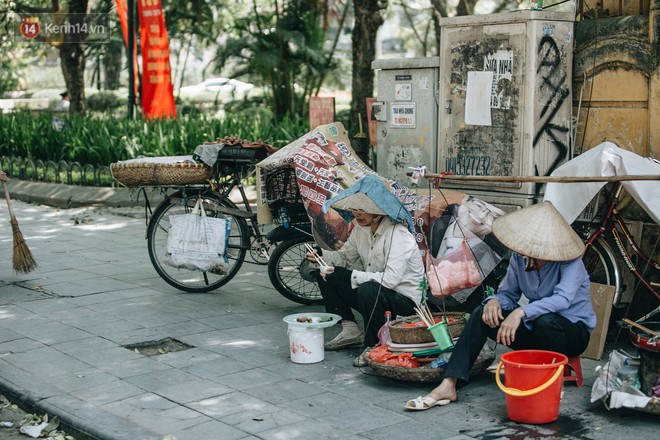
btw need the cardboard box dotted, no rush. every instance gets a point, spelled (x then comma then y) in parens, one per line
(602, 296)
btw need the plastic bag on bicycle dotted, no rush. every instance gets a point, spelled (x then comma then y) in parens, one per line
(198, 242)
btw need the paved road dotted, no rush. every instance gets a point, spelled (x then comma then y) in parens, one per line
(64, 329)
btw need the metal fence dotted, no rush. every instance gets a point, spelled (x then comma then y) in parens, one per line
(70, 173)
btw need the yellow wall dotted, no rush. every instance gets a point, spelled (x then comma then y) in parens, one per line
(612, 8)
(614, 108)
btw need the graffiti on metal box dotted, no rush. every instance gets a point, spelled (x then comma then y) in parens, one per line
(554, 89)
(468, 165)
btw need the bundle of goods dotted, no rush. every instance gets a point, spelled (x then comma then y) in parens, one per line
(416, 366)
(165, 170)
(232, 154)
(627, 381)
(283, 196)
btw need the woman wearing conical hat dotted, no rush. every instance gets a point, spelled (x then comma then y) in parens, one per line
(546, 267)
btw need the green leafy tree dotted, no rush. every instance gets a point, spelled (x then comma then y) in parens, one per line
(11, 70)
(194, 26)
(72, 50)
(283, 45)
(106, 57)
(72, 55)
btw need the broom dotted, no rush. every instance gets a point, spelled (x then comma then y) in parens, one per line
(22, 260)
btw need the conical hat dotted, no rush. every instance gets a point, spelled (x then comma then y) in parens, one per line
(358, 201)
(539, 231)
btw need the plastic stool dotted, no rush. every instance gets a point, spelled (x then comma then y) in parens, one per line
(573, 371)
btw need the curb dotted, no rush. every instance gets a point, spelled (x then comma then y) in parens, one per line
(80, 419)
(64, 196)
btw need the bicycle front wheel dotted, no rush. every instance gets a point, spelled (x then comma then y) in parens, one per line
(195, 281)
(284, 272)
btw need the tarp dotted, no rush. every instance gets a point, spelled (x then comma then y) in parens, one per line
(606, 160)
(383, 198)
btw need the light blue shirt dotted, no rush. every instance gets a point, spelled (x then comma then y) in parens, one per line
(561, 287)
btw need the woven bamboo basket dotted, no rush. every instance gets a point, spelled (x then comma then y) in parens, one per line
(154, 173)
(425, 373)
(401, 334)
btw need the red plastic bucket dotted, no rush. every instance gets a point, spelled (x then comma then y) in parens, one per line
(534, 381)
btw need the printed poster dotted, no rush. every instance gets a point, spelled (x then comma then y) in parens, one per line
(501, 64)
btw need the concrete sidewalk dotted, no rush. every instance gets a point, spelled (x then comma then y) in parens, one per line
(64, 329)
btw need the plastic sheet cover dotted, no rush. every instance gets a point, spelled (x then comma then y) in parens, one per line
(605, 160)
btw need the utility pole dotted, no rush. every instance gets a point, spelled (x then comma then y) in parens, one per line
(130, 4)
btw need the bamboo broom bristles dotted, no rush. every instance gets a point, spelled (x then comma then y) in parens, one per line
(22, 260)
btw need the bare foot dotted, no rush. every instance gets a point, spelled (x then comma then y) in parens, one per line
(446, 390)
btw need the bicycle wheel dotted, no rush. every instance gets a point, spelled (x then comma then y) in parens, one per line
(601, 265)
(191, 280)
(284, 272)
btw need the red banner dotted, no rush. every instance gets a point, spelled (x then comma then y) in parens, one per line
(157, 91)
(122, 12)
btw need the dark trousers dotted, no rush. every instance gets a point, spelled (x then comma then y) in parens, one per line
(550, 332)
(371, 300)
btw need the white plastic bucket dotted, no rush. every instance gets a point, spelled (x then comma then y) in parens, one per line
(306, 345)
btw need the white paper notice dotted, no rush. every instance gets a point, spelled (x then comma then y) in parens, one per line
(477, 98)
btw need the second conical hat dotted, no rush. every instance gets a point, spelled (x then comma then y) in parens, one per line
(539, 231)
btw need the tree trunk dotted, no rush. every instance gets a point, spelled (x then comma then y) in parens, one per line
(439, 11)
(367, 22)
(112, 66)
(72, 55)
(465, 7)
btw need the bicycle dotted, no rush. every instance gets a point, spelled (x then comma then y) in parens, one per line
(288, 268)
(608, 241)
(233, 165)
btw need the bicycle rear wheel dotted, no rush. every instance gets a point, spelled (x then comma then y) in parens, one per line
(284, 272)
(191, 280)
(600, 261)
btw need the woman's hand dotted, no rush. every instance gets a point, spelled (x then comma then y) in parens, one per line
(507, 331)
(492, 314)
(340, 274)
(312, 256)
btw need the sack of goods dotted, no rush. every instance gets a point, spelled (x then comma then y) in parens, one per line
(198, 242)
(453, 272)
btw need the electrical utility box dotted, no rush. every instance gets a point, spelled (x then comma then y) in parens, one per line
(504, 100)
(406, 114)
